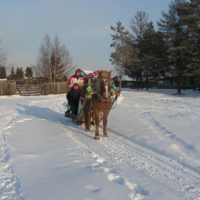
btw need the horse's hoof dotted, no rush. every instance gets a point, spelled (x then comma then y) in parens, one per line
(97, 137)
(87, 130)
(107, 136)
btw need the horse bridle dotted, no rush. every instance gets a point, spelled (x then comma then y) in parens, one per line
(105, 79)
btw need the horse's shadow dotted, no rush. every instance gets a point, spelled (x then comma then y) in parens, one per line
(50, 115)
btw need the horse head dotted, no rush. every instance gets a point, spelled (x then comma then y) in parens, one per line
(104, 80)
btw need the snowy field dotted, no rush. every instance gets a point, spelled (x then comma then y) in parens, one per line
(153, 151)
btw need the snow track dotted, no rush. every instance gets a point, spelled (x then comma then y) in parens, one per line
(133, 160)
(10, 186)
(152, 152)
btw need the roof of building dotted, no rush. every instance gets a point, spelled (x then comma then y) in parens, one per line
(88, 71)
(3, 79)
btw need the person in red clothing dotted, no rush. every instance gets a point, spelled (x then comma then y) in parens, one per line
(73, 97)
(77, 81)
(76, 78)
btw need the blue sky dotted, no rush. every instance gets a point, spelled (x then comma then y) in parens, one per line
(82, 25)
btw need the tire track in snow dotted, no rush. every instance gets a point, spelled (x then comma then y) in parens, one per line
(138, 161)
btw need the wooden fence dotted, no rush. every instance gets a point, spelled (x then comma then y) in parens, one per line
(54, 88)
(7, 88)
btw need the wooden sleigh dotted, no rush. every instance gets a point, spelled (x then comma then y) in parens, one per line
(79, 119)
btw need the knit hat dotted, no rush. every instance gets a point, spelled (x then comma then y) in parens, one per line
(75, 84)
(78, 70)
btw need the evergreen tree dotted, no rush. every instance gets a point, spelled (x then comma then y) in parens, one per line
(154, 53)
(190, 16)
(120, 39)
(12, 74)
(28, 72)
(19, 73)
(177, 36)
(138, 25)
(2, 72)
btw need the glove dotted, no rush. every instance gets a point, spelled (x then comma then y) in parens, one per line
(89, 95)
(117, 92)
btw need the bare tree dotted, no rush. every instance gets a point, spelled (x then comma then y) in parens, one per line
(61, 60)
(3, 57)
(56, 51)
(3, 60)
(43, 65)
(66, 61)
(54, 59)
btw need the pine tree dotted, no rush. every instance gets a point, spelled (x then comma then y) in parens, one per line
(12, 74)
(154, 53)
(138, 25)
(19, 73)
(177, 37)
(29, 72)
(2, 72)
(120, 39)
(190, 16)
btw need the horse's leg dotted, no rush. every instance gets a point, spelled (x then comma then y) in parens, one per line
(93, 118)
(86, 119)
(105, 120)
(97, 121)
(89, 119)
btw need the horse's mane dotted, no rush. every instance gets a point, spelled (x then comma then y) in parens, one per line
(97, 85)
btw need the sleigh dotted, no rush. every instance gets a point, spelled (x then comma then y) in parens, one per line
(95, 105)
(80, 119)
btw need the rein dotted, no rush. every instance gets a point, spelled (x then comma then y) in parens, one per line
(104, 101)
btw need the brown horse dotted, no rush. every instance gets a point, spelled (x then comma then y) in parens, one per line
(98, 107)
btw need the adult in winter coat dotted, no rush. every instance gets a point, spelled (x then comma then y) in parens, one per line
(73, 97)
(76, 78)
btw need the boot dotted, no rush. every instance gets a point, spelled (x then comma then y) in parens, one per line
(67, 113)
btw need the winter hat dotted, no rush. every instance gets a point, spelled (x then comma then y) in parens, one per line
(78, 70)
(75, 84)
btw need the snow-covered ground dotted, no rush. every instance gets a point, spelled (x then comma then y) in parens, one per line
(153, 151)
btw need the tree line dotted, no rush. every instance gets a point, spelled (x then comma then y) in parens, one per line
(19, 73)
(172, 51)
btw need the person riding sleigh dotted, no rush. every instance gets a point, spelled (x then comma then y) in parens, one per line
(75, 85)
(76, 78)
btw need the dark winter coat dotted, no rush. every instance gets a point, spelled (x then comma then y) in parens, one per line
(73, 96)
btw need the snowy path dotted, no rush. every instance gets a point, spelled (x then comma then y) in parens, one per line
(152, 152)
(135, 163)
